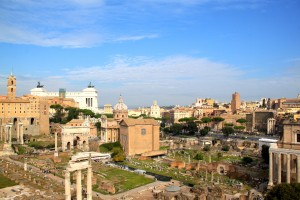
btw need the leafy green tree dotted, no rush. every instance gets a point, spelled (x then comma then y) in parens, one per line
(218, 120)
(239, 128)
(109, 115)
(176, 128)
(87, 112)
(187, 119)
(58, 115)
(72, 113)
(265, 153)
(203, 132)
(284, 191)
(206, 120)
(192, 127)
(227, 130)
(166, 130)
(241, 120)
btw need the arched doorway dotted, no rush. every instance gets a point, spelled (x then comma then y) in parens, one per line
(32, 121)
(76, 142)
(221, 170)
(68, 146)
(84, 145)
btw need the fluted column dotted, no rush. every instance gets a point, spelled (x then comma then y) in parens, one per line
(288, 168)
(270, 169)
(67, 186)
(78, 185)
(89, 183)
(298, 169)
(279, 169)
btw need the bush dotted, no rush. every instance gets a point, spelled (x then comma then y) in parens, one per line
(108, 147)
(199, 156)
(284, 192)
(206, 148)
(219, 155)
(225, 148)
(247, 160)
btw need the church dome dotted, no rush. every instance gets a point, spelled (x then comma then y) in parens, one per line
(120, 105)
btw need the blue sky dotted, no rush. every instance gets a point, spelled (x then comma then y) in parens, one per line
(171, 51)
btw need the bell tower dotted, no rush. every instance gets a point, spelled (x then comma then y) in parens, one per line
(11, 87)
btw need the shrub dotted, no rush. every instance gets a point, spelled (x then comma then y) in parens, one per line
(225, 148)
(206, 148)
(247, 160)
(199, 156)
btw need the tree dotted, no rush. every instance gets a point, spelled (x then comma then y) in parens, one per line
(87, 112)
(239, 128)
(284, 191)
(176, 128)
(265, 153)
(241, 120)
(72, 113)
(218, 120)
(204, 131)
(227, 130)
(192, 127)
(58, 115)
(206, 120)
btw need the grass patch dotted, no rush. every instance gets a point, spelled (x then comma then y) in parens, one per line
(123, 180)
(6, 182)
(164, 147)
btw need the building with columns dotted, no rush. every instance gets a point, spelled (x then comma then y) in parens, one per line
(86, 99)
(284, 156)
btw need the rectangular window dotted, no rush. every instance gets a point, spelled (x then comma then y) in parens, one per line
(298, 137)
(143, 131)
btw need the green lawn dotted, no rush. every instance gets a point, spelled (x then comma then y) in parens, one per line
(123, 180)
(5, 182)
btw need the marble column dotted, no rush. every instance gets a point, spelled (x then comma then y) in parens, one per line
(78, 185)
(288, 168)
(89, 183)
(55, 151)
(298, 169)
(25, 164)
(212, 177)
(67, 186)
(21, 133)
(279, 169)
(10, 132)
(270, 184)
(18, 133)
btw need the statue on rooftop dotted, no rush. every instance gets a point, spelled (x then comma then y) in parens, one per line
(90, 85)
(39, 85)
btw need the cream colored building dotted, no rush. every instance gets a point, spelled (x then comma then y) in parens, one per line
(120, 110)
(155, 110)
(86, 99)
(139, 136)
(108, 109)
(24, 115)
(179, 113)
(109, 129)
(284, 157)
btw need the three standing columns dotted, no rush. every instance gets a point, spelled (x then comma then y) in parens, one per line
(78, 184)
(279, 164)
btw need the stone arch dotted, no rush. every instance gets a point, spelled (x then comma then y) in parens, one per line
(76, 142)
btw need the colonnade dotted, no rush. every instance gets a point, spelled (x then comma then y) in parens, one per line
(6, 133)
(77, 168)
(280, 162)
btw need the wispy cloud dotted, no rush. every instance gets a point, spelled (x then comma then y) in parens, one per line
(77, 23)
